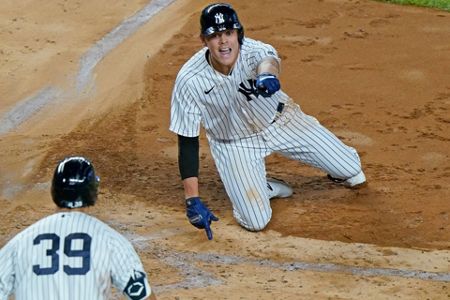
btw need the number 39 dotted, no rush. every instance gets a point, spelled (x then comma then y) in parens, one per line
(84, 253)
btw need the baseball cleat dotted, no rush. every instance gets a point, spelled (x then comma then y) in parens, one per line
(278, 188)
(355, 181)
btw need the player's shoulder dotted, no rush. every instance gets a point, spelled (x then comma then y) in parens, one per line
(30, 230)
(72, 219)
(70, 216)
(249, 46)
(93, 221)
(95, 224)
(251, 43)
(42, 222)
(194, 65)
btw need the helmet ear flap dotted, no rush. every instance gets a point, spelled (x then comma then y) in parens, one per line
(240, 36)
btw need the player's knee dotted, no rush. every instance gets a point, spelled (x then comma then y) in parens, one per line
(253, 214)
(254, 225)
(355, 170)
(353, 167)
(347, 173)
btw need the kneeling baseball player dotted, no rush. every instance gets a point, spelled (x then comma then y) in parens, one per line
(231, 87)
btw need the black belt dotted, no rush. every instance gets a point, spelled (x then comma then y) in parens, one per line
(280, 108)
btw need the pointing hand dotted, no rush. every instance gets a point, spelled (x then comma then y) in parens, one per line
(267, 84)
(199, 215)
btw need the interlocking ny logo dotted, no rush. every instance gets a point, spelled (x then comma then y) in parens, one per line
(219, 18)
(249, 89)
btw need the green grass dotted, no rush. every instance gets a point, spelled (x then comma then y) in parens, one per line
(439, 4)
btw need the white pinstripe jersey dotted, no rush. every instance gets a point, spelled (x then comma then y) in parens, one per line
(228, 106)
(68, 255)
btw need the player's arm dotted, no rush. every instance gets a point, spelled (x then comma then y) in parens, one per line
(188, 162)
(190, 185)
(138, 287)
(267, 72)
(7, 275)
(268, 64)
(127, 271)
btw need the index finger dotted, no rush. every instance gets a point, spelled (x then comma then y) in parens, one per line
(208, 231)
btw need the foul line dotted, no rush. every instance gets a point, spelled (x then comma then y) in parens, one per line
(27, 107)
(326, 267)
(198, 278)
(195, 277)
(111, 40)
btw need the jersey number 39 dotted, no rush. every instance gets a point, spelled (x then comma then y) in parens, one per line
(84, 253)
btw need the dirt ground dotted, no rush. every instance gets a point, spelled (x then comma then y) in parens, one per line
(375, 74)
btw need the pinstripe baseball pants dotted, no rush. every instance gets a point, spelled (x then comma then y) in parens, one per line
(296, 135)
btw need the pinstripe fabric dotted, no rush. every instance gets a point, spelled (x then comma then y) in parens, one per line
(231, 109)
(295, 135)
(241, 132)
(88, 256)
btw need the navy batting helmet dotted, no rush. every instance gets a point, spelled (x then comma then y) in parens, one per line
(74, 183)
(220, 17)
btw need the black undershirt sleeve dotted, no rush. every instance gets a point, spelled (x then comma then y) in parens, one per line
(188, 156)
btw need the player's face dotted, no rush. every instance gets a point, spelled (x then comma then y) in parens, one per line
(224, 49)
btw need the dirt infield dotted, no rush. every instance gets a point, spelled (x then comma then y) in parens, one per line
(375, 74)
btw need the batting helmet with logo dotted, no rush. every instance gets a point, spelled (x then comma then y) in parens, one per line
(220, 17)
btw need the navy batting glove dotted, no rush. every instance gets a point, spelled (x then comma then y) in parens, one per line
(199, 215)
(267, 84)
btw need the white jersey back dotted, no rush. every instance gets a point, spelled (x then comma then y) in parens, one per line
(68, 255)
(228, 106)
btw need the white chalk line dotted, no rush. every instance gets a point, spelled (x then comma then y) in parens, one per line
(194, 277)
(84, 84)
(325, 267)
(114, 38)
(30, 106)
(27, 108)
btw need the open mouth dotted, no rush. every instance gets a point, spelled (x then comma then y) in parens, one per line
(225, 51)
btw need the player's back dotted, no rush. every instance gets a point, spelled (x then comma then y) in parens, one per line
(65, 256)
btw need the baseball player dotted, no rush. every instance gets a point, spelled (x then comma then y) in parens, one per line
(71, 255)
(231, 87)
